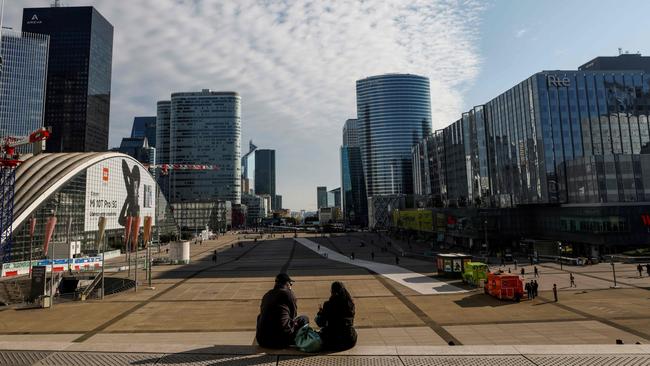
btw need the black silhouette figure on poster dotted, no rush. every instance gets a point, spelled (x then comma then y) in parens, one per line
(132, 185)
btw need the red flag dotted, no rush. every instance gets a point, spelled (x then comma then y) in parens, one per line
(127, 232)
(49, 230)
(146, 236)
(136, 231)
(32, 227)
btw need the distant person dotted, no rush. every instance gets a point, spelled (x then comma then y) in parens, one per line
(319, 247)
(573, 280)
(278, 323)
(336, 320)
(514, 261)
(529, 289)
(535, 288)
(555, 292)
(523, 272)
(397, 260)
(352, 256)
(647, 269)
(640, 269)
(536, 271)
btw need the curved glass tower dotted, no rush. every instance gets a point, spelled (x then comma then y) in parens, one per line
(394, 113)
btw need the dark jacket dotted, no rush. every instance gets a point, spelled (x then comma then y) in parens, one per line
(275, 323)
(336, 320)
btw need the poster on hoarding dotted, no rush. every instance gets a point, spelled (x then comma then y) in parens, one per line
(115, 189)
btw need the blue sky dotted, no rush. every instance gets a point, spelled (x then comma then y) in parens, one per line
(295, 63)
(519, 38)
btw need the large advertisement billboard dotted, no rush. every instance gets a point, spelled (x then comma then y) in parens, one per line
(417, 220)
(117, 188)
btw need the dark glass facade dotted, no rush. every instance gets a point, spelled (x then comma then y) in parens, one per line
(77, 104)
(145, 127)
(394, 113)
(353, 188)
(265, 173)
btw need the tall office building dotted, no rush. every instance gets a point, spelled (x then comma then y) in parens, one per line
(265, 174)
(205, 128)
(77, 103)
(354, 201)
(145, 127)
(321, 197)
(163, 124)
(22, 83)
(394, 113)
(351, 133)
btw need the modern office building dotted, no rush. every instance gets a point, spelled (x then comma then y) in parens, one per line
(351, 133)
(265, 173)
(163, 122)
(571, 144)
(22, 83)
(145, 127)
(200, 128)
(77, 103)
(278, 202)
(334, 198)
(139, 149)
(321, 197)
(394, 113)
(354, 201)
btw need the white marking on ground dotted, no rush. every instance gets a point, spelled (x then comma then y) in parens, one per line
(424, 285)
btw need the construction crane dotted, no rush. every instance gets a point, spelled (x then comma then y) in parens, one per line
(9, 161)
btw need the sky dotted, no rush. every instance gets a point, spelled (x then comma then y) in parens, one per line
(295, 64)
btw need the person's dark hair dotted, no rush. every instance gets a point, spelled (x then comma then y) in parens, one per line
(339, 291)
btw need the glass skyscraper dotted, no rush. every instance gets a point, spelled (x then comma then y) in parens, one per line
(205, 128)
(265, 174)
(22, 83)
(354, 202)
(77, 103)
(145, 127)
(394, 113)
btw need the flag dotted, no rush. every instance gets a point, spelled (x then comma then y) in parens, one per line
(127, 232)
(147, 230)
(135, 230)
(49, 230)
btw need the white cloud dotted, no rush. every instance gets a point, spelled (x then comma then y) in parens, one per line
(521, 32)
(294, 63)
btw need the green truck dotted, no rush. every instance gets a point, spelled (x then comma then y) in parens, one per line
(475, 272)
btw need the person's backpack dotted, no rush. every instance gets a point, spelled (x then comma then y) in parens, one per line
(308, 340)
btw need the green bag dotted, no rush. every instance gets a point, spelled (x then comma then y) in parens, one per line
(308, 340)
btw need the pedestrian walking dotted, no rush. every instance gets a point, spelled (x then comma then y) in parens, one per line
(573, 280)
(397, 260)
(529, 291)
(640, 269)
(647, 269)
(523, 271)
(372, 255)
(515, 262)
(555, 292)
(318, 247)
(536, 271)
(352, 256)
(535, 288)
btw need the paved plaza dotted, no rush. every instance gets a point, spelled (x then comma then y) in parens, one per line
(208, 310)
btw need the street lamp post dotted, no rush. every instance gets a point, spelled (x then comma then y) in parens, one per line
(613, 271)
(559, 244)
